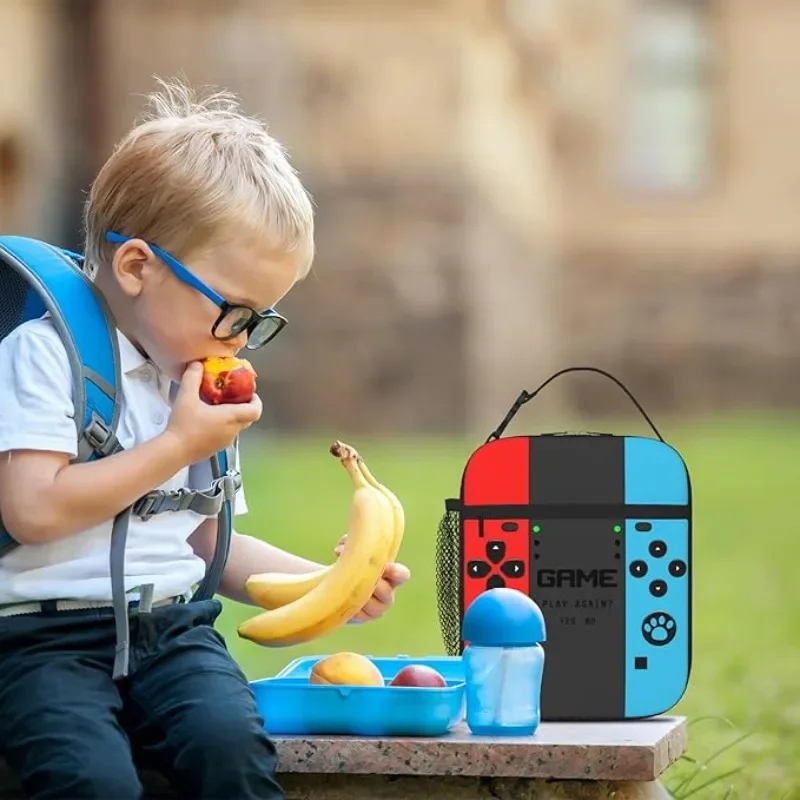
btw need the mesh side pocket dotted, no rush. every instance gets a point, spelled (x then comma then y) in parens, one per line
(15, 291)
(448, 577)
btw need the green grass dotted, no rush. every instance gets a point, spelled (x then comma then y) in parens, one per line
(746, 668)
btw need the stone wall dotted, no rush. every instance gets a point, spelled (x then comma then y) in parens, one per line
(683, 333)
(376, 339)
(424, 312)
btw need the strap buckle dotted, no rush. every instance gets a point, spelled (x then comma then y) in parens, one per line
(153, 503)
(208, 503)
(100, 438)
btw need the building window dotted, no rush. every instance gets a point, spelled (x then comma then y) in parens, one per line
(668, 122)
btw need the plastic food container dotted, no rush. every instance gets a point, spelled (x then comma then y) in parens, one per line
(291, 705)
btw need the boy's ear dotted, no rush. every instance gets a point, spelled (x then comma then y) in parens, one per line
(129, 264)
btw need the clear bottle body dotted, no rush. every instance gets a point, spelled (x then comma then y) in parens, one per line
(503, 688)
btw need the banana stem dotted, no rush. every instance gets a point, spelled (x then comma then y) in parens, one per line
(350, 463)
(342, 450)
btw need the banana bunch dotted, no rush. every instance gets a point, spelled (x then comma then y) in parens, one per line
(302, 607)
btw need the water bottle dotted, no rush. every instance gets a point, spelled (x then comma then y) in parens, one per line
(503, 663)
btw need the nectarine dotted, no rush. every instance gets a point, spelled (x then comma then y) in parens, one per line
(227, 380)
(346, 669)
(418, 675)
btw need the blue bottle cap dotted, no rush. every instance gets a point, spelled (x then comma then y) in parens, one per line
(503, 618)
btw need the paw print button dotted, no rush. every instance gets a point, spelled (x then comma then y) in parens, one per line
(659, 628)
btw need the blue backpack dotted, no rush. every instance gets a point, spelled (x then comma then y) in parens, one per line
(37, 278)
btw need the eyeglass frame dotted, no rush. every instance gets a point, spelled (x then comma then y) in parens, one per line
(187, 277)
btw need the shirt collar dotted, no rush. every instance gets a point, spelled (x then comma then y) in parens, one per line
(130, 359)
(135, 365)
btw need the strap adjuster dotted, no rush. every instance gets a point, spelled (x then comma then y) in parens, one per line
(145, 507)
(227, 485)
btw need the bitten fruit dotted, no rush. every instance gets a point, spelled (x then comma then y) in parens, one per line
(227, 379)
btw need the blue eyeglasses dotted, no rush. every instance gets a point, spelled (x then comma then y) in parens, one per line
(233, 320)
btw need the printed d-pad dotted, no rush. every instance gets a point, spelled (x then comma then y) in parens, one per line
(493, 567)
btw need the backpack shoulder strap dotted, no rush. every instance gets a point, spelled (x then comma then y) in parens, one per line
(223, 465)
(35, 278)
(38, 277)
(83, 319)
(218, 499)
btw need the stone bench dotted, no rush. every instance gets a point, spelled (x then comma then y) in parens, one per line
(563, 761)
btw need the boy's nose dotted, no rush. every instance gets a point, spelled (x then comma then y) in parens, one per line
(237, 343)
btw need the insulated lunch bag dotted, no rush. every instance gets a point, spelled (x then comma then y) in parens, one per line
(596, 528)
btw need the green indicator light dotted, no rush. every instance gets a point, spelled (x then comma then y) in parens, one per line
(536, 529)
(618, 529)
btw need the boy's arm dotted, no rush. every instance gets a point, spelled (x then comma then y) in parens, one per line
(248, 556)
(43, 497)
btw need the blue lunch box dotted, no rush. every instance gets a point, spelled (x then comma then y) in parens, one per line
(291, 705)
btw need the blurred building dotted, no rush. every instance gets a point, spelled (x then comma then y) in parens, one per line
(503, 188)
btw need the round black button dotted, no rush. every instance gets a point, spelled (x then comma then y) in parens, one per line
(638, 569)
(658, 549)
(677, 568)
(658, 588)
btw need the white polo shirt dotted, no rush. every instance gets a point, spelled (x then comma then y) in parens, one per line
(36, 413)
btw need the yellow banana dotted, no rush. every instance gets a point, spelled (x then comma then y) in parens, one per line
(397, 507)
(276, 589)
(348, 584)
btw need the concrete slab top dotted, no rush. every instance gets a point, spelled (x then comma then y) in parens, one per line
(622, 751)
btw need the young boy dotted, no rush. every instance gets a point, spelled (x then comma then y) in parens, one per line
(198, 187)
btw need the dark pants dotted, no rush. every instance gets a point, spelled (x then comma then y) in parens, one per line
(69, 731)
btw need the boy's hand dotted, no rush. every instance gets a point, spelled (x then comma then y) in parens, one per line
(204, 429)
(383, 597)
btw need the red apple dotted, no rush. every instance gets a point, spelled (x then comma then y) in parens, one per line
(418, 675)
(227, 380)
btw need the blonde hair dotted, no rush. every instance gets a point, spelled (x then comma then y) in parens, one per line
(191, 168)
